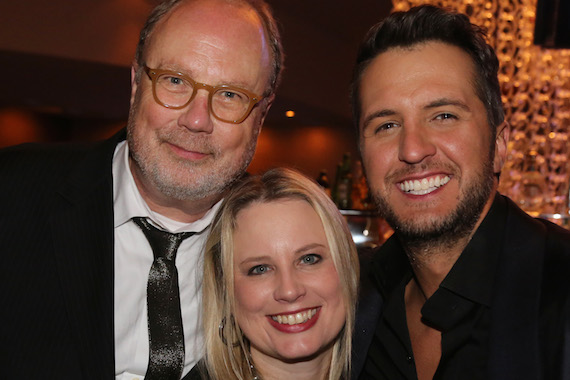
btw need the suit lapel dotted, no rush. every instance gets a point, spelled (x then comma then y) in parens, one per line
(514, 341)
(367, 315)
(83, 241)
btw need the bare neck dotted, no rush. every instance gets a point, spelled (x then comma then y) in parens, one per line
(181, 211)
(271, 368)
(431, 264)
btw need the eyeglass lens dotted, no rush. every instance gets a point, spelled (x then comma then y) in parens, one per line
(226, 103)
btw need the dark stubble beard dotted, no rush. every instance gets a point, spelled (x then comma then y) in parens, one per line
(445, 231)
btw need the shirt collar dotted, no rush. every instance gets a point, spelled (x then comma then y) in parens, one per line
(473, 275)
(391, 266)
(129, 203)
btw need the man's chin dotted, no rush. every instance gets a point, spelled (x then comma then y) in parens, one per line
(420, 225)
(195, 188)
(426, 226)
(437, 228)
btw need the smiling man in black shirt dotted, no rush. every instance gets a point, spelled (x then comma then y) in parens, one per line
(469, 286)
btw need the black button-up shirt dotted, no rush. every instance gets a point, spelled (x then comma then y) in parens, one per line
(460, 308)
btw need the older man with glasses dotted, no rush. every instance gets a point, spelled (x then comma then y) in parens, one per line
(97, 239)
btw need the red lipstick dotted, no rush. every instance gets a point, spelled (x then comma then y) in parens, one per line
(296, 328)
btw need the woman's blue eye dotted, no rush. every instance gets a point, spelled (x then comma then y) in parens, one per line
(258, 269)
(311, 259)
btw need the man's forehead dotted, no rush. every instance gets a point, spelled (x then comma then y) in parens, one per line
(194, 13)
(423, 76)
(417, 61)
(218, 30)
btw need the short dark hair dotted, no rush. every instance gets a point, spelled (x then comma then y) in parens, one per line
(427, 23)
(259, 6)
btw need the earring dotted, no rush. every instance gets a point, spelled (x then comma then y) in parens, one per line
(222, 335)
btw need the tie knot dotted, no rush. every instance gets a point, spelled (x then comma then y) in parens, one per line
(163, 243)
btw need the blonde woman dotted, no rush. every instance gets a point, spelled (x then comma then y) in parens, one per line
(280, 283)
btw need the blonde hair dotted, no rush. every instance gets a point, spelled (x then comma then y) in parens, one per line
(228, 356)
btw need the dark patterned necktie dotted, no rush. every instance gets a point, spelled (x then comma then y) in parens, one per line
(166, 336)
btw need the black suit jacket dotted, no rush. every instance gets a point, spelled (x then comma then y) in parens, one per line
(532, 301)
(56, 242)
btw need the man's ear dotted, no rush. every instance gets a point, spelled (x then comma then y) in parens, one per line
(268, 103)
(501, 142)
(134, 82)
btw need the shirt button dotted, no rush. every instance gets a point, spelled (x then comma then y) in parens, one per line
(409, 359)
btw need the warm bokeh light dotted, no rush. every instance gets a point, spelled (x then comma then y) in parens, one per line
(307, 148)
(18, 126)
(290, 113)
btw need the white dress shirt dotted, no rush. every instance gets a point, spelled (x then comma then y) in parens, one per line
(133, 259)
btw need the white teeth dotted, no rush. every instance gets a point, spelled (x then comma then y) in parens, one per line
(295, 319)
(424, 186)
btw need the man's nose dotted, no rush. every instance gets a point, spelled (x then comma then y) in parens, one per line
(196, 116)
(415, 143)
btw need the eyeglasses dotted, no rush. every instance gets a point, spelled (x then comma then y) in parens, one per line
(226, 103)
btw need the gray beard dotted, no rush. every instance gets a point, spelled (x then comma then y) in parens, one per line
(216, 182)
(444, 232)
(188, 181)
